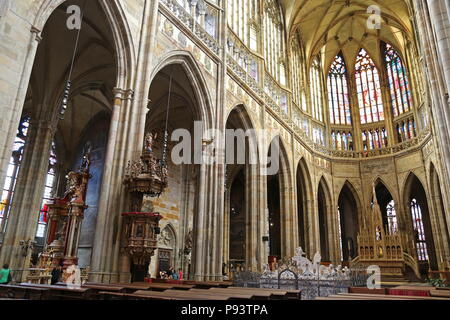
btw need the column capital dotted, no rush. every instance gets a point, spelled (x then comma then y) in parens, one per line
(37, 34)
(123, 94)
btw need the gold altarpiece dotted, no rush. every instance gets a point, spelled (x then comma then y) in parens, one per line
(378, 245)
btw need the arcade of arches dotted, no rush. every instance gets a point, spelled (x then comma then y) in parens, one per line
(346, 106)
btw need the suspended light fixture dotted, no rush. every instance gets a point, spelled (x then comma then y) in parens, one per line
(66, 95)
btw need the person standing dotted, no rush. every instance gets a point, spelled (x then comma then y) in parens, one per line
(180, 274)
(170, 273)
(5, 274)
(56, 274)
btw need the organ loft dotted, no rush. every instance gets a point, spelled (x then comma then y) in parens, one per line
(208, 140)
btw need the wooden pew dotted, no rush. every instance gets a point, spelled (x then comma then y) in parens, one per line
(133, 287)
(235, 295)
(152, 295)
(382, 291)
(278, 293)
(356, 296)
(62, 292)
(256, 294)
(208, 284)
(184, 295)
(20, 292)
(440, 293)
(169, 286)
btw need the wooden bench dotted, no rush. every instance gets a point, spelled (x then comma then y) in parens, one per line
(356, 296)
(168, 286)
(277, 293)
(382, 291)
(133, 287)
(440, 293)
(256, 294)
(235, 295)
(62, 292)
(184, 295)
(106, 295)
(20, 292)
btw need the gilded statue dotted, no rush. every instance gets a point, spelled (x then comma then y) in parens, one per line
(150, 138)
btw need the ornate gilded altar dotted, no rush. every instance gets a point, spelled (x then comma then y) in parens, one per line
(377, 246)
(144, 177)
(64, 225)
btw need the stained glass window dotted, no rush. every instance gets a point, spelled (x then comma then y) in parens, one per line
(13, 172)
(368, 88)
(374, 139)
(419, 231)
(338, 100)
(50, 183)
(316, 91)
(398, 81)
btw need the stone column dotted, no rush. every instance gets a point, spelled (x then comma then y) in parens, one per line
(109, 209)
(15, 71)
(439, 223)
(29, 190)
(124, 144)
(435, 49)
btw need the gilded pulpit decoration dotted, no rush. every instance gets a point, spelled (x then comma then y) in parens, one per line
(144, 177)
(64, 226)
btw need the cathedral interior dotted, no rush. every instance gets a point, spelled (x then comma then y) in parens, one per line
(350, 98)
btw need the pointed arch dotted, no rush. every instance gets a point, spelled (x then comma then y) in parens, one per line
(368, 87)
(324, 205)
(304, 200)
(187, 62)
(397, 76)
(168, 237)
(315, 81)
(420, 223)
(123, 43)
(388, 203)
(279, 201)
(338, 92)
(349, 210)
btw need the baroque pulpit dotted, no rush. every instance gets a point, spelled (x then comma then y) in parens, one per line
(144, 177)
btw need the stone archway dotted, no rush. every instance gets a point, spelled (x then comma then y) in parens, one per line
(94, 82)
(349, 209)
(325, 220)
(304, 201)
(420, 224)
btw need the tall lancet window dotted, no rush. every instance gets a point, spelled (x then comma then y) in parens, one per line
(50, 184)
(398, 81)
(338, 101)
(419, 231)
(369, 89)
(316, 91)
(13, 172)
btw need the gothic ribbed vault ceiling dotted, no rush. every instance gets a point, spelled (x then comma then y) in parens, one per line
(329, 26)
